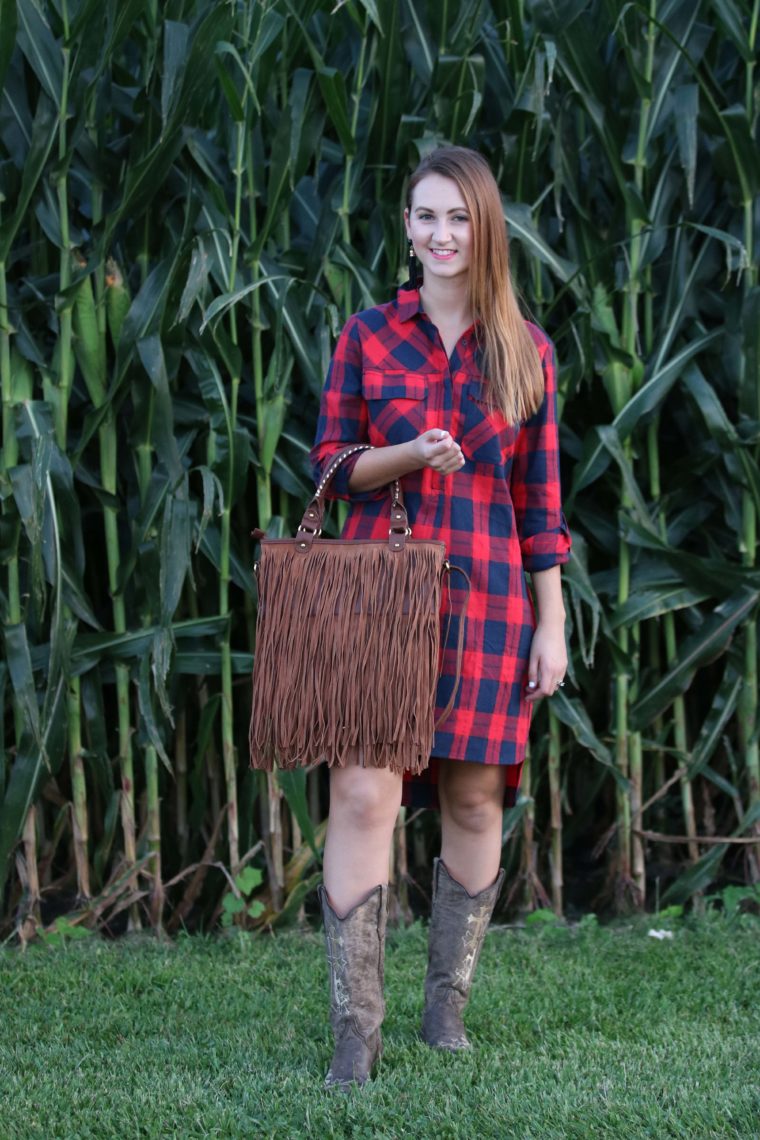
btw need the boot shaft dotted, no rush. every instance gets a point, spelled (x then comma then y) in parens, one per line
(355, 946)
(458, 925)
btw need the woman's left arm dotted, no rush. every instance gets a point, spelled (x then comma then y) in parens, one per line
(542, 530)
(548, 651)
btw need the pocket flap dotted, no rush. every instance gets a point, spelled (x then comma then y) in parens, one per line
(476, 390)
(377, 385)
(479, 396)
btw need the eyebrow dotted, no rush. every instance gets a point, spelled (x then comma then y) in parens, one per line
(454, 210)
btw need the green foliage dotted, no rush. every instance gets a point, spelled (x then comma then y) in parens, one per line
(192, 200)
(541, 917)
(736, 901)
(240, 902)
(63, 931)
(669, 912)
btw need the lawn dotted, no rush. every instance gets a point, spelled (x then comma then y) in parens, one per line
(581, 1034)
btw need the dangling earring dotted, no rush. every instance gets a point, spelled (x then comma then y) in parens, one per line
(412, 266)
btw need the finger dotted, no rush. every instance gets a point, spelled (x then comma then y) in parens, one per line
(532, 682)
(542, 689)
(432, 441)
(449, 458)
(452, 466)
(455, 459)
(443, 446)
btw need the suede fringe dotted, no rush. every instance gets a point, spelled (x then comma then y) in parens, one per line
(347, 655)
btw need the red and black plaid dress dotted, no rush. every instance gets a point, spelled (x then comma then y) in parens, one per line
(499, 515)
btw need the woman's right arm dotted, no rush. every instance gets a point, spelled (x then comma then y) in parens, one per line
(342, 414)
(377, 468)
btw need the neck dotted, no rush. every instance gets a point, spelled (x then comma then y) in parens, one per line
(446, 301)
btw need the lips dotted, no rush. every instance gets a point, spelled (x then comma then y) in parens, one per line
(443, 254)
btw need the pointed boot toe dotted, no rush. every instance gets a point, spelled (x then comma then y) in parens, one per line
(353, 1061)
(443, 1028)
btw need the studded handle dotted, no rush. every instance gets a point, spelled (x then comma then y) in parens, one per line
(341, 457)
(311, 524)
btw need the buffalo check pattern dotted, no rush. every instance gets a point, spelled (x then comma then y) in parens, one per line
(500, 515)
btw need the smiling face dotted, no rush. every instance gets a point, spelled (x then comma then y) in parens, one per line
(439, 227)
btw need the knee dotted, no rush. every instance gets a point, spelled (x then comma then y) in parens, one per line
(475, 809)
(364, 805)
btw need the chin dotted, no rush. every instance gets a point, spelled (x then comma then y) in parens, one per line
(440, 270)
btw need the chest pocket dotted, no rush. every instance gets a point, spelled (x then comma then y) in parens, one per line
(487, 437)
(396, 405)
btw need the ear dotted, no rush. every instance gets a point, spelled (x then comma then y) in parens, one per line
(406, 223)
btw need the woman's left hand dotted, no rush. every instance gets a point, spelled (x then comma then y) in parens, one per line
(548, 661)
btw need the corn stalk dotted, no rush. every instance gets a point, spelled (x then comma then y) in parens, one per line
(749, 397)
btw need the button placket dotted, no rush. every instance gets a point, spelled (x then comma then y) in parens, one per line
(439, 402)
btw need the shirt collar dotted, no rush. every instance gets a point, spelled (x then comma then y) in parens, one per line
(408, 302)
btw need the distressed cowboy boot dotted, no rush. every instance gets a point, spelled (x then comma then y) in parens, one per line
(458, 925)
(355, 956)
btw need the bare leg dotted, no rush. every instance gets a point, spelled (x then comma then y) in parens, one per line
(364, 804)
(472, 797)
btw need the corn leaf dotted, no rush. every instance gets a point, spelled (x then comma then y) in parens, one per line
(708, 643)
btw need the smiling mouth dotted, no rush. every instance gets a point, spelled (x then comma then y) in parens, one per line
(443, 254)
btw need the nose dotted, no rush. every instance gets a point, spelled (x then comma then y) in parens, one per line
(441, 232)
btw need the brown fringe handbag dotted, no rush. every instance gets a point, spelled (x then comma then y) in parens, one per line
(348, 644)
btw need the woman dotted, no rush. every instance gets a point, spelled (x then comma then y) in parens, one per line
(457, 393)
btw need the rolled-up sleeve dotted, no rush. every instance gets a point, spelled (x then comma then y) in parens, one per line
(342, 415)
(534, 481)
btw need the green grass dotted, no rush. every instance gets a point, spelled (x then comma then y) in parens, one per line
(584, 1033)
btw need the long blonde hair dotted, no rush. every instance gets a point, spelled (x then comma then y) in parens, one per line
(510, 358)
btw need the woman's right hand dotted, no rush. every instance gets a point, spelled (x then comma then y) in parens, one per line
(437, 449)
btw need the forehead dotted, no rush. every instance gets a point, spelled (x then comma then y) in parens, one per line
(438, 193)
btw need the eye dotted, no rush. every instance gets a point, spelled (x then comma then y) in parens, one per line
(424, 217)
(461, 218)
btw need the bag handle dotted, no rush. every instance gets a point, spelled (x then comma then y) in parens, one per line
(310, 526)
